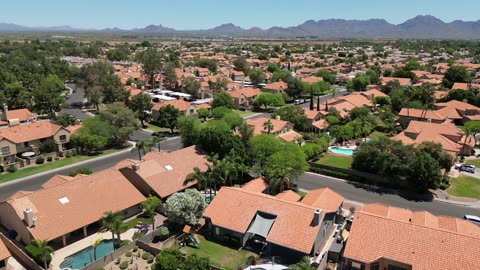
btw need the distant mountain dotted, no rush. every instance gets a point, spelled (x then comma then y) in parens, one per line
(157, 29)
(418, 27)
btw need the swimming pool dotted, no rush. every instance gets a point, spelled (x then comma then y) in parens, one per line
(85, 256)
(342, 150)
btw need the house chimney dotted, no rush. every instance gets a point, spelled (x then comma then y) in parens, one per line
(278, 117)
(135, 166)
(465, 101)
(316, 217)
(4, 115)
(28, 217)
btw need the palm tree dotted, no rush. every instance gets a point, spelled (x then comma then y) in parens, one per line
(44, 249)
(156, 141)
(149, 206)
(107, 222)
(119, 227)
(140, 146)
(95, 245)
(279, 179)
(268, 125)
(204, 179)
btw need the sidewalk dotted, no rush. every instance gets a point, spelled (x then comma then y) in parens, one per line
(23, 179)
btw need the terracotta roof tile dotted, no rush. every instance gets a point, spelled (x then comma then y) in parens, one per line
(235, 208)
(289, 195)
(257, 124)
(256, 185)
(88, 198)
(20, 114)
(419, 239)
(290, 136)
(165, 172)
(30, 132)
(4, 253)
(324, 198)
(179, 104)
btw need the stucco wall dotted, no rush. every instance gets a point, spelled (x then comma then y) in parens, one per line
(10, 220)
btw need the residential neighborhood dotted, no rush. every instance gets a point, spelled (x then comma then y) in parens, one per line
(335, 144)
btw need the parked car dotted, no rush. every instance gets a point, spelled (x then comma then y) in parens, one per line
(467, 168)
(457, 166)
(157, 134)
(472, 218)
(299, 101)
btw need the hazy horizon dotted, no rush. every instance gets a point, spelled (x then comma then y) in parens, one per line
(192, 15)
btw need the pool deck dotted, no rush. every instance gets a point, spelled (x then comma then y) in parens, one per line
(60, 255)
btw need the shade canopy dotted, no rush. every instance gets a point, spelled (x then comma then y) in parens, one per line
(261, 225)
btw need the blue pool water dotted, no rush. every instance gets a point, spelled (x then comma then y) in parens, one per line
(85, 256)
(342, 151)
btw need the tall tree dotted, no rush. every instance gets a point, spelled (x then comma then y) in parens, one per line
(170, 77)
(191, 86)
(185, 207)
(223, 99)
(95, 245)
(268, 126)
(256, 76)
(152, 64)
(122, 120)
(149, 206)
(141, 104)
(168, 117)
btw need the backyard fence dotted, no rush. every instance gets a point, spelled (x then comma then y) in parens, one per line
(24, 259)
(110, 257)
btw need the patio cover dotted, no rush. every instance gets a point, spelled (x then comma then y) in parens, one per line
(261, 225)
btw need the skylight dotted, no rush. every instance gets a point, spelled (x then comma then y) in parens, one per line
(168, 168)
(64, 200)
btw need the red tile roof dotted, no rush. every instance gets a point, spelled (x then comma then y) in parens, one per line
(324, 198)
(256, 185)
(20, 114)
(290, 136)
(419, 239)
(165, 172)
(235, 208)
(247, 92)
(29, 132)
(4, 253)
(179, 104)
(88, 198)
(257, 124)
(401, 81)
(289, 195)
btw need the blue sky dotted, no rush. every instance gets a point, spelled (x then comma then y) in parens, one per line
(196, 14)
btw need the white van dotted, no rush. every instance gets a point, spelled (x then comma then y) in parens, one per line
(472, 218)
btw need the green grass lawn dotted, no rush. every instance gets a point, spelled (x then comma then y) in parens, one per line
(375, 135)
(244, 113)
(219, 255)
(157, 128)
(301, 193)
(133, 222)
(465, 186)
(475, 162)
(5, 177)
(344, 162)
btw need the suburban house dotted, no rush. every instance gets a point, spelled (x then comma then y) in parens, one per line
(465, 86)
(404, 82)
(346, 103)
(311, 79)
(244, 97)
(277, 87)
(4, 255)
(185, 107)
(452, 139)
(386, 237)
(408, 114)
(316, 119)
(15, 140)
(163, 173)
(15, 117)
(278, 126)
(279, 225)
(458, 110)
(66, 207)
(237, 75)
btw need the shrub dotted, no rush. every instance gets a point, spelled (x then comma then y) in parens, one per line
(124, 243)
(164, 233)
(137, 235)
(80, 171)
(36, 254)
(49, 159)
(40, 160)
(123, 265)
(150, 259)
(128, 254)
(146, 255)
(11, 169)
(68, 155)
(135, 248)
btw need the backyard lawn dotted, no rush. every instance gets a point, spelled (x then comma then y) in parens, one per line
(375, 135)
(219, 255)
(157, 128)
(244, 113)
(5, 177)
(344, 162)
(465, 186)
(133, 222)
